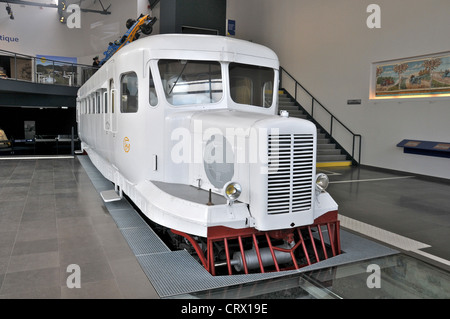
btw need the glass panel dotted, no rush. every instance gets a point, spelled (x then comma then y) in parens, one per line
(250, 84)
(106, 103)
(129, 93)
(153, 98)
(390, 277)
(99, 110)
(111, 86)
(191, 82)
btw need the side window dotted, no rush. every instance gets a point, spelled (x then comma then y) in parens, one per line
(112, 90)
(99, 102)
(153, 98)
(129, 93)
(105, 101)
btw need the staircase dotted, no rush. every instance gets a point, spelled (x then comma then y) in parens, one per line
(329, 154)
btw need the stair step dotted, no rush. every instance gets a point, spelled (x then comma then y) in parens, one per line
(286, 102)
(110, 196)
(323, 141)
(331, 158)
(327, 152)
(334, 151)
(334, 164)
(289, 108)
(298, 114)
(326, 146)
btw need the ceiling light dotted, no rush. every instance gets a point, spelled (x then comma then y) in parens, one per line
(10, 12)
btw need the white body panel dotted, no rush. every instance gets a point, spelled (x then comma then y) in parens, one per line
(179, 145)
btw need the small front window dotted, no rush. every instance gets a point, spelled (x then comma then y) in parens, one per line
(129, 93)
(252, 85)
(189, 82)
(153, 98)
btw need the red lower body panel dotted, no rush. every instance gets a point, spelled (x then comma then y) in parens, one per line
(301, 246)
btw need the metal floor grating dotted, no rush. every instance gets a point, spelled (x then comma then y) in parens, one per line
(177, 273)
(126, 218)
(143, 241)
(168, 274)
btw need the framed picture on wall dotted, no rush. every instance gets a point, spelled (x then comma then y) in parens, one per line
(426, 76)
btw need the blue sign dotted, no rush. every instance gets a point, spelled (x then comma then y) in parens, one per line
(231, 27)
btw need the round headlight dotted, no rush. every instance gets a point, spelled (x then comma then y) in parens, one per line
(322, 181)
(232, 191)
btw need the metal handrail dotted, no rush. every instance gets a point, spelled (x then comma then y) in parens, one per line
(333, 118)
(78, 75)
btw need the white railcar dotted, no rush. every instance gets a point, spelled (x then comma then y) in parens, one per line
(187, 126)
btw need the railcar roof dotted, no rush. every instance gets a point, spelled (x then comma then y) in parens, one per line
(193, 47)
(227, 46)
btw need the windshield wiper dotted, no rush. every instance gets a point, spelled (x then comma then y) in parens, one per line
(179, 76)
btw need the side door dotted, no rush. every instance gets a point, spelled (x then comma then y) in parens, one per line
(109, 120)
(113, 107)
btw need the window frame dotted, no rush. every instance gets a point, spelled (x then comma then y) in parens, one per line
(220, 78)
(136, 106)
(257, 90)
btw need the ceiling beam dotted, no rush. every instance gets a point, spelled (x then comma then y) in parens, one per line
(29, 3)
(55, 6)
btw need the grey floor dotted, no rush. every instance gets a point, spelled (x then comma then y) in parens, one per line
(51, 216)
(404, 204)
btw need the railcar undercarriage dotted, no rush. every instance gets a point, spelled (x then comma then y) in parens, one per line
(229, 251)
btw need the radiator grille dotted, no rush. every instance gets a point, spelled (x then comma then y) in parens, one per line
(290, 173)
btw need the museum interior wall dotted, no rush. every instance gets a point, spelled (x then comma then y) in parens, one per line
(327, 46)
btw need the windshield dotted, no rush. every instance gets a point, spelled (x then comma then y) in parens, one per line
(251, 84)
(188, 82)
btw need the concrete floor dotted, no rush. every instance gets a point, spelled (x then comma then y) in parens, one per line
(51, 217)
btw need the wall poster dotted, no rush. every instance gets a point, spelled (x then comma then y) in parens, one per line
(415, 77)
